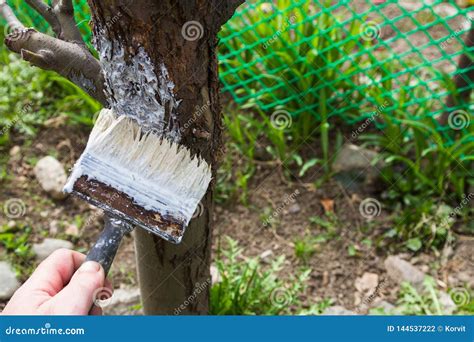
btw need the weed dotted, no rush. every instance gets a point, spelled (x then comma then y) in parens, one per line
(422, 225)
(426, 301)
(16, 242)
(247, 288)
(305, 248)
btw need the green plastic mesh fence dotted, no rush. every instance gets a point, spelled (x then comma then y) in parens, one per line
(351, 59)
(345, 58)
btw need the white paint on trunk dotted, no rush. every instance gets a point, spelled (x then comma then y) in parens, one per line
(158, 174)
(136, 88)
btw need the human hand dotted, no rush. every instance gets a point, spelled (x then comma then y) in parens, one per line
(55, 288)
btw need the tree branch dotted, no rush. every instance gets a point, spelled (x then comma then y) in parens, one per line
(7, 13)
(47, 13)
(64, 11)
(70, 59)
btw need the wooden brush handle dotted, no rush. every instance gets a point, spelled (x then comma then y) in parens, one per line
(106, 247)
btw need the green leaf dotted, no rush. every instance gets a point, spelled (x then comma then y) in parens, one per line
(414, 244)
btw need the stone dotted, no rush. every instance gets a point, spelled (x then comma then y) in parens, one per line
(123, 301)
(215, 275)
(367, 283)
(401, 270)
(15, 151)
(53, 227)
(447, 303)
(338, 310)
(294, 208)
(354, 166)
(265, 256)
(352, 157)
(72, 230)
(8, 282)
(51, 175)
(48, 246)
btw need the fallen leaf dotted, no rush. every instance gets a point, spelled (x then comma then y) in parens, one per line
(328, 205)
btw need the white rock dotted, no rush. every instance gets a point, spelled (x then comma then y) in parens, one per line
(447, 303)
(400, 270)
(48, 246)
(215, 275)
(367, 283)
(72, 230)
(388, 307)
(51, 175)
(266, 256)
(15, 150)
(122, 302)
(8, 282)
(338, 310)
(53, 227)
(294, 208)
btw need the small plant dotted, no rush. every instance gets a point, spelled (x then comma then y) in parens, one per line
(15, 240)
(328, 222)
(428, 300)
(422, 225)
(247, 288)
(304, 249)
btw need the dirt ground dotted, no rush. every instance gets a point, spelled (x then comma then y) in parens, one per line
(278, 213)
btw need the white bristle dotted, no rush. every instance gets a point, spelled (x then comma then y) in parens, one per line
(157, 174)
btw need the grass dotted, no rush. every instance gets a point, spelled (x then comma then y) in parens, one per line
(248, 288)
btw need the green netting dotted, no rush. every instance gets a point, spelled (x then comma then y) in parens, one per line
(349, 59)
(354, 56)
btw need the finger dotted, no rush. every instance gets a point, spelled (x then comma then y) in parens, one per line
(78, 296)
(55, 271)
(96, 311)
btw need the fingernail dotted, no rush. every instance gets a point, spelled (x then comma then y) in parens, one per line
(90, 266)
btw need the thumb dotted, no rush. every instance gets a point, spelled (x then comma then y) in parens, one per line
(78, 296)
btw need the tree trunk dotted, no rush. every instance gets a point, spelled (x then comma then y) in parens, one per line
(178, 40)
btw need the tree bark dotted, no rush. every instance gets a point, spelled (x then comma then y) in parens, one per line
(154, 55)
(181, 38)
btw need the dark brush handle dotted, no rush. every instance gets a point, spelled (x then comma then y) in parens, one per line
(106, 247)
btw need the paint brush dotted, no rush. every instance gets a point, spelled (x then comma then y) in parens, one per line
(137, 177)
